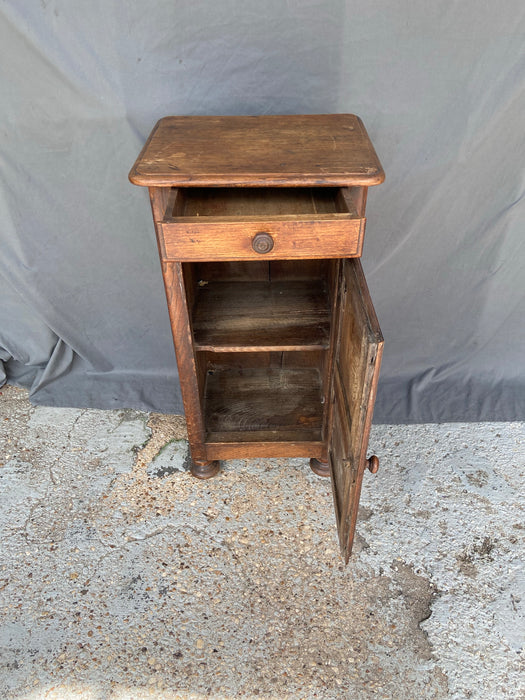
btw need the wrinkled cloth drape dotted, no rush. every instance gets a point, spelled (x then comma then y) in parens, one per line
(440, 88)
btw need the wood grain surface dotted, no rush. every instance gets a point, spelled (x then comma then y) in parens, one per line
(222, 224)
(264, 402)
(357, 358)
(270, 315)
(294, 237)
(259, 221)
(289, 150)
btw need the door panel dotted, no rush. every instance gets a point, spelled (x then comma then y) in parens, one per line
(355, 372)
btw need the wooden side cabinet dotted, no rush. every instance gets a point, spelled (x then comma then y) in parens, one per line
(260, 224)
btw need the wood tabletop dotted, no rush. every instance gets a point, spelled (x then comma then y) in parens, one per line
(269, 150)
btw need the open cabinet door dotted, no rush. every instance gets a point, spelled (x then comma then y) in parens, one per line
(355, 371)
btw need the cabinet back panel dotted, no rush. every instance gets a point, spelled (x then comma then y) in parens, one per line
(261, 271)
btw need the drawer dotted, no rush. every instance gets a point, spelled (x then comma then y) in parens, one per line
(261, 223)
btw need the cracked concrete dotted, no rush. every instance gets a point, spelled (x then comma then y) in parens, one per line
(122, 577)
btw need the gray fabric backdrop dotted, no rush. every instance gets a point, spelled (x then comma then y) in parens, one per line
(440, 87)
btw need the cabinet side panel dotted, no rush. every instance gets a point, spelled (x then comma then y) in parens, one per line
(182, 337)
(177, 299)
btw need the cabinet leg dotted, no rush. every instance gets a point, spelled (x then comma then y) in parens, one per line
(320, 468)
(204, 470)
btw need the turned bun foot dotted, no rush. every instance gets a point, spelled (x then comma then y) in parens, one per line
(319, 468)
(204, 470)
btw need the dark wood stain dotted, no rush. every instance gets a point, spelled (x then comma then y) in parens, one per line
(272, 315)
(269, 150)
(355, 375)
(260, 223)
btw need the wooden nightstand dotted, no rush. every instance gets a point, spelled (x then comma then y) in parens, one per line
(260, 224)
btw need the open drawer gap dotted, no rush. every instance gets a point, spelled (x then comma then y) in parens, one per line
(261, 202)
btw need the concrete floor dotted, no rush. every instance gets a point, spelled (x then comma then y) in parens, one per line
(123, 577)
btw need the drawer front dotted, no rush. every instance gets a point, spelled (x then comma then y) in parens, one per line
(288, 237)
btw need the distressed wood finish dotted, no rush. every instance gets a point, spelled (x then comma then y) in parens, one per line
(294, 237)
(259, 221)
(269, 150)
(224, 224)
(355, 375)
(264, 400)
(271, 315)
(248, 447)
(320, 467)
(261, 202)
(182, 335)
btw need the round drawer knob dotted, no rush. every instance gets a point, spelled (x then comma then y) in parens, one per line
(262, 243)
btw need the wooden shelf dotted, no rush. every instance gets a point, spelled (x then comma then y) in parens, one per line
(247, 316)
(263, 405)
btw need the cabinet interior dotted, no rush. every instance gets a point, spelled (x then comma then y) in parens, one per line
(263, 201)
(262, 338)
